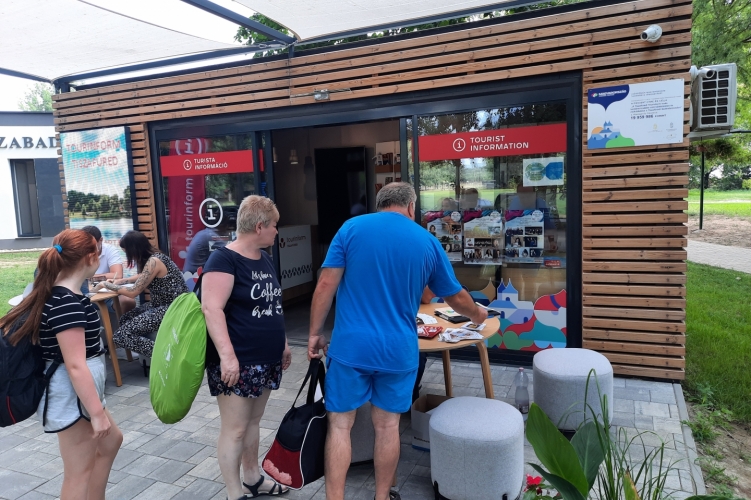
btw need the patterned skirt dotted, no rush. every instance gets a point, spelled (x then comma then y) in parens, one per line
(253, 379)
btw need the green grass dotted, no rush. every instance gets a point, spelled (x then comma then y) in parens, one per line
(718, 336)
(728, 203)
(16, 271)
(431, 199)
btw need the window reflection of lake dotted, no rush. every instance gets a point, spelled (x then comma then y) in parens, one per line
(112, 230)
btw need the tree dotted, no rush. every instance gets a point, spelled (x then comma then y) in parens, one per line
(249, 37)
(104, 204)
(37, 98)
(729, 155)
(115, 203)
(721, 33)
(126, 200)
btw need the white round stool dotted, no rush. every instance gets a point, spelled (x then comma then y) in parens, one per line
(560, 384)
(477, 449)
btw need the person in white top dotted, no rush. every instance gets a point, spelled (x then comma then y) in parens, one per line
(110, 267)
(110, 262)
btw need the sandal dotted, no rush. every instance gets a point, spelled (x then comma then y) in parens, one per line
(275, 490)
(393, 495)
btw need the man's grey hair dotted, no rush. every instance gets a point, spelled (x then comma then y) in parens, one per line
(395, 194)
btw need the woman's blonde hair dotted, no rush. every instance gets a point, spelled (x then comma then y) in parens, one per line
(255, 209)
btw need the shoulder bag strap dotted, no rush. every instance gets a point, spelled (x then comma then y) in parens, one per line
(197, 287)
(47, 376)
(314, 375)
(318, 377)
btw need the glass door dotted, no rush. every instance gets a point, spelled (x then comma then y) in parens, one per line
(492, 189)
(204, 179)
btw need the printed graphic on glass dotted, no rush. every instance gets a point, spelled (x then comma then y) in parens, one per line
(543, 171)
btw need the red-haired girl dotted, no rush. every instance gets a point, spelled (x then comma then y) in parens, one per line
(65, 326)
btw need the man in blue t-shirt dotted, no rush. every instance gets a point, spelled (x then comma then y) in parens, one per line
(378, 266)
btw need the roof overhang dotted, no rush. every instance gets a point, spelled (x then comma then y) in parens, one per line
(316, 21)
(72, 38)
(82, 41)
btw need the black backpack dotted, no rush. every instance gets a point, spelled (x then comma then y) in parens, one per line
(22, 379)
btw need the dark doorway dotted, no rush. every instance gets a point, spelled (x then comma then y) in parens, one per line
(341, 185)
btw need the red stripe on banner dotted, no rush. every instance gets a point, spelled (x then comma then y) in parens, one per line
(228, 162)
(491, 143)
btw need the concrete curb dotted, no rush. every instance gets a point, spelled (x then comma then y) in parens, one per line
(688, 439)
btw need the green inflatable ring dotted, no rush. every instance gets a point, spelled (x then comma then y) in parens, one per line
(179, 358)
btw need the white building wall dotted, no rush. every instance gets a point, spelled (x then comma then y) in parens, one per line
(12, 148)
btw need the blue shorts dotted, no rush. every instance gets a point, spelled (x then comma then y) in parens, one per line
(348, 388)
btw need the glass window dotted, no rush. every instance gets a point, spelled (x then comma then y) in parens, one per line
(492, 189)
(25, 194)
(204, 181)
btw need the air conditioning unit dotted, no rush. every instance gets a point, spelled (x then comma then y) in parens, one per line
(713, 96)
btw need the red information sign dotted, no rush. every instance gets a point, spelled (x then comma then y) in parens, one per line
(228, 162)
(489, 143)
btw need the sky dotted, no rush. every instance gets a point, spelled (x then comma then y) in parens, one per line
(172, 14)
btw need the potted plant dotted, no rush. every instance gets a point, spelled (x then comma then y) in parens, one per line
(596, 463)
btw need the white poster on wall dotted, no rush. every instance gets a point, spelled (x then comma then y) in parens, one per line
(640, 114)
(295, 256)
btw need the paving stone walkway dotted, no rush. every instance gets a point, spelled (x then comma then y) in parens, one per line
(735, 258)
(159, 462)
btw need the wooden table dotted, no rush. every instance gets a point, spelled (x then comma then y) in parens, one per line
(434, 345)
(100, 299)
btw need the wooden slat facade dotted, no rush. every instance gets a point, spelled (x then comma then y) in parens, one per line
(633, 219)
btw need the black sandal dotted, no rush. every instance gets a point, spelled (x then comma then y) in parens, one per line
(393, 495)
(275, 490)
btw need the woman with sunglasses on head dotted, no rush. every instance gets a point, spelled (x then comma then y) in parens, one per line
(65, 325)
(165, 282)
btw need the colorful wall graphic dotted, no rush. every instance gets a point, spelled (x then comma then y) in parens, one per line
(525, 325)
(529, 326)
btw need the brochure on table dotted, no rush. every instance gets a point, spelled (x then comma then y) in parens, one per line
(639, 114)
(483, 239)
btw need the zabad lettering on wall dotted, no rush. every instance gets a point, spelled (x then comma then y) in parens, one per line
(26, 142)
